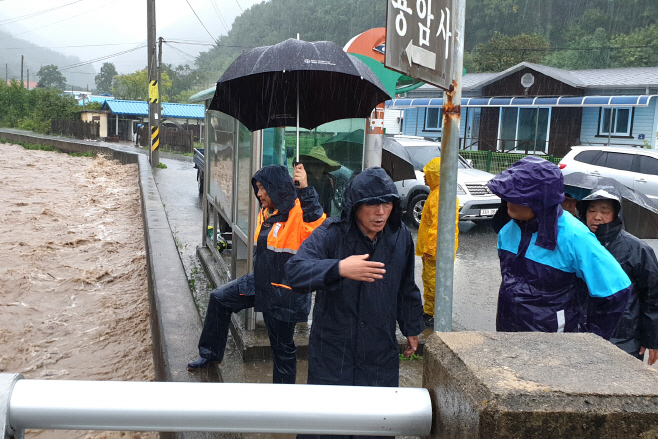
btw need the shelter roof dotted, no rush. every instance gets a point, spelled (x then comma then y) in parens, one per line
(140, 108)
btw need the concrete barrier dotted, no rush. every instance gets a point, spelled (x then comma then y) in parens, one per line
(537, 385)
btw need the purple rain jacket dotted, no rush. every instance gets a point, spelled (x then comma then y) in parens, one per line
(549, 264)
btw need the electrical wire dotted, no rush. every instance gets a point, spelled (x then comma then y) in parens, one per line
(249, 19)
(34, 14)
(180, 52)
(197, 17)
(59, 21)
(61, 47)
(219, 15)
(557, 49)
(102, 58)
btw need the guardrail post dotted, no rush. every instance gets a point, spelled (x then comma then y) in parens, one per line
(7, 381)
(489, 153)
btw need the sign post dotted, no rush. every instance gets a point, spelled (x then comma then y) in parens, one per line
(425, 40)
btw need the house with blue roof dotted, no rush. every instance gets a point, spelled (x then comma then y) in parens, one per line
(536, 109)
(126, 116)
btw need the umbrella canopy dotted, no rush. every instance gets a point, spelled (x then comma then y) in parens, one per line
(262, 86)
(396, 161)
(640, 214)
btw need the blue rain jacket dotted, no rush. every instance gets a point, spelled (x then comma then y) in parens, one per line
(278, 237)
(352, 339)
(548, 264)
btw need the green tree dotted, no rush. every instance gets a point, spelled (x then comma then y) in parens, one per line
(136, 86)
(185, 80)
(588, 51)
(105, 78)
(638, 49)
(503, 52)
(50, 77)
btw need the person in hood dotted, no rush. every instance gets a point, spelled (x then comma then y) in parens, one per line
(361, 266)
(288, 215)
(426, 244)
(549, 260)
(638, 329)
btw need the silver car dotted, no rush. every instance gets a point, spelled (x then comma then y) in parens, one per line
(636, 168)
(476, 202)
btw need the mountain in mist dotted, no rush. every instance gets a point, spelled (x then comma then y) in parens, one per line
(11, 49)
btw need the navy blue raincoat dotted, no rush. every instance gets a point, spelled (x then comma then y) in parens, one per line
(278, 237)
(352, 339)
(548, 264)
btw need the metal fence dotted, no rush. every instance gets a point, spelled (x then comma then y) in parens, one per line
(496, 162)
(75, 128)
(211, 407)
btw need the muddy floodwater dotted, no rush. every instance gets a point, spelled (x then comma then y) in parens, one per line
(73, 291)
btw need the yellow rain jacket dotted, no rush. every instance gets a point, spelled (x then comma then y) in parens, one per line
(427, 229)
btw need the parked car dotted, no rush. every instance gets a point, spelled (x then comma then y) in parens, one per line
(476, 202)
(636, 168)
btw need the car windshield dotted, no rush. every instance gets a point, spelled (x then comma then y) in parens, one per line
(421, 155)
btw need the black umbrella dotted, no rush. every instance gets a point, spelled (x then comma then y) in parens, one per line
(297, 82)
(640, 214)
(396, 161)
(347, 148)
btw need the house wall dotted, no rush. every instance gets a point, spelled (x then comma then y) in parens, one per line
(564, 130)
(392, 120)
(89, 117)
(414, 124)
(543, 86)
(643, 122)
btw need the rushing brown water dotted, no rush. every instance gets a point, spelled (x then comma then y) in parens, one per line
(73, 291)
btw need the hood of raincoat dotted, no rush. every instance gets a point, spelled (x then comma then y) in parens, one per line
(278, 185)
(600, 193)
(538, 184)
(372, 186)
(433, 172)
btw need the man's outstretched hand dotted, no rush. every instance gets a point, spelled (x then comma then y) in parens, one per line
(358, 268)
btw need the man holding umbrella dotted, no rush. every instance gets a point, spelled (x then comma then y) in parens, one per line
(318, 166)
(638, 329)
(288, 216)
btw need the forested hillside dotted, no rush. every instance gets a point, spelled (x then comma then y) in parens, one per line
(570, 34)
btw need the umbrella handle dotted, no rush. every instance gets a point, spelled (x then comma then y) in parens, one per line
(294, 165)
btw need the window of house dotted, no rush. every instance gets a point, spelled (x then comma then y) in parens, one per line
(620, 120)
(433, 119)
(524, 129)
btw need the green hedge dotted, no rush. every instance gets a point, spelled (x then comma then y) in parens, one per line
(497, 162)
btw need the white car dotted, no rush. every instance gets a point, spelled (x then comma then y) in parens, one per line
(636, 168)
(476, 202)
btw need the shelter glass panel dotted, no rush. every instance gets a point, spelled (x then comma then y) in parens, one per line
(274, 147)
(331, 154)
(221, 143)
(243, 188)
(507, 137)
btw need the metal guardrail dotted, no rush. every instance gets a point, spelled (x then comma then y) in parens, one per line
(211, 407)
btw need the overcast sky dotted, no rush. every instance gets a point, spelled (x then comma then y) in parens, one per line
(107, 27)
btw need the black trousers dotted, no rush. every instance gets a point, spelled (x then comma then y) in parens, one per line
(234, 297)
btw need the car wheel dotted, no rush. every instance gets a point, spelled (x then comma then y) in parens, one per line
(415, 210)
(199, 179)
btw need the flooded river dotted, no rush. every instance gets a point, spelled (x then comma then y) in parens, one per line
(73, 291)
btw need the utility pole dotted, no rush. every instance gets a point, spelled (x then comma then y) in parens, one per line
(445, 234)
(160, 40)
(154, 88)
(28, 79)
(22, 58)
(7, 73)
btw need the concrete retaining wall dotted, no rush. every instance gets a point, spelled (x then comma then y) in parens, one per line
(537, 385)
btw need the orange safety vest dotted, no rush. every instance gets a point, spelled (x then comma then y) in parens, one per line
(286, 237)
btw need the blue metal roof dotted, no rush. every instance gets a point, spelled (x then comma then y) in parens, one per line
(100, 99)
(560, 101)
(141, 108)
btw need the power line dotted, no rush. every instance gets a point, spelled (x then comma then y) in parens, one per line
(56, 22)
(197, 17)
(62, 47)
(180, 52)
(556, 49)
(249, 19)
(34, 14)
(219, 15)
(102, 58)
(207, 44)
